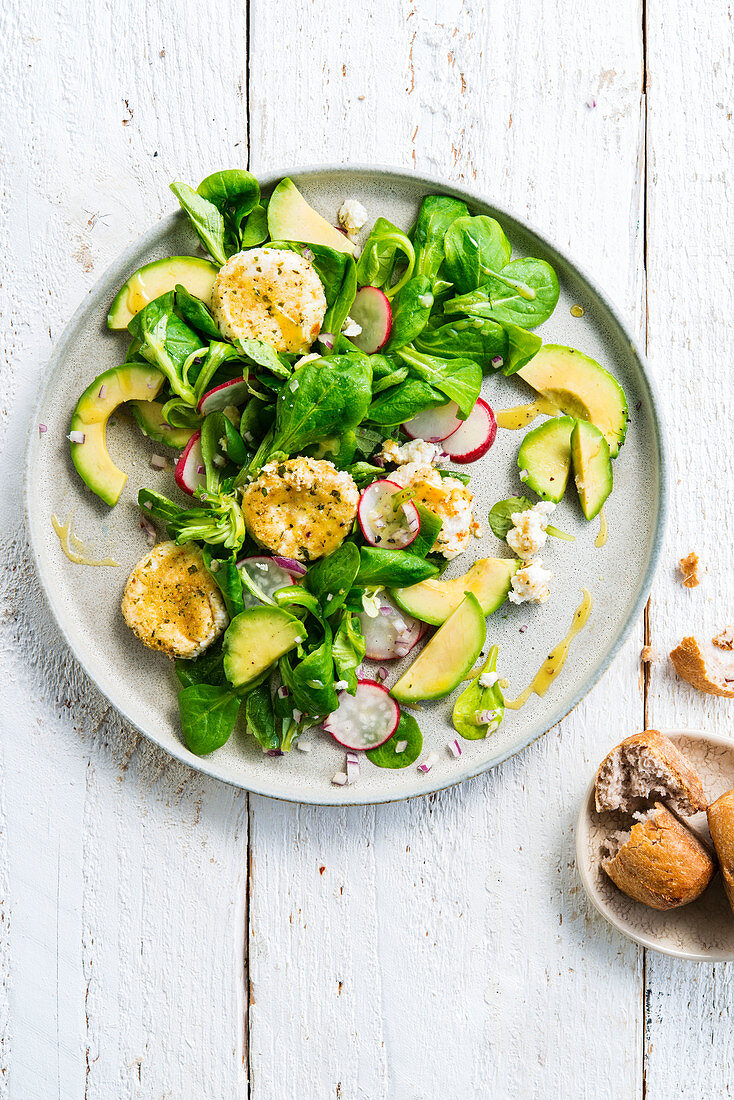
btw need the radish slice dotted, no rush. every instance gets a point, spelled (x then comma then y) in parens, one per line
(364, 720)
(382, 522)
(391, 634)
(189, 472)
(434, 425)
(266, 575)
(475, 436)
(373, 313)
(235, 392)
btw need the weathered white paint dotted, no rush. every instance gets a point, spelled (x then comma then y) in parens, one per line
(122, 875)
(690, 337)
(441, 947)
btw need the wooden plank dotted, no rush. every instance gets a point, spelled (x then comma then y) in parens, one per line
(690, 332)
(447, 947)
(122, 874)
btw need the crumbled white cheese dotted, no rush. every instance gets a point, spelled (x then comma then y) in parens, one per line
(415, 450)
(351, 328)
(352, 216)
(447, 497)
(488, 679)
(530, 584)
(528, 536)
(341, 685)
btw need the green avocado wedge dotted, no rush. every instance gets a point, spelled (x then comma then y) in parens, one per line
(592, 467)
(132, 381)
(432, 601)
(447, 658)
(156, 278)
(477, 701)
(290, 218)
(580, 387)
(255, 640)
(148, 415)
(544, 458)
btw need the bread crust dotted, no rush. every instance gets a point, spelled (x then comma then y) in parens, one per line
(662, 749)
(689, 663)
(663, 864)
(721, 826)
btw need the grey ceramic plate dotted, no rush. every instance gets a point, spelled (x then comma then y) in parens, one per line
(141, 684)
(705, 928)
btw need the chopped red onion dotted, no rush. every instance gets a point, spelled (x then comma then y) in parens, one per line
(158, 462)
(591, 103)
(283, 692)
(454, 748)
(497, 361)
(427, 763)
(102, 392)
(274, 752)
(378, 460)
(149, 385)
(340, 779)
(149, 530)
(295, 568)
(76, 437)
(307, 253)
(385, 609)
(485, 717)
(352, 767)
(327, 339)
(401, 650)
(297, 715)
(200, 468)
(42, 429)
(401, 746)
(382, 673)
(523, 628)
(304, 746)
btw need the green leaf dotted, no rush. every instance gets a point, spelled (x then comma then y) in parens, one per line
(158, 507)
(385, 756)
(208, 714)
(521, 347)
(260, 718)
(382, 249)
(331, 578)
(167, 343)
(235, 193)
(206, 219)
(429, 531)
(255, 228)
(436, 214)
(474, 247)
(396, 405)
(311, 682)
(475, 699)
(206, 669)
(227, 578)
(475, 338)
(410, 312)
(348, 649)
(196, 314)
(332, 395)
(500, 516)
(459, 379)
(265, 356)
(394, 568)
(524, 293)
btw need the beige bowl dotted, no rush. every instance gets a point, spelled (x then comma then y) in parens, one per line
(705, 928)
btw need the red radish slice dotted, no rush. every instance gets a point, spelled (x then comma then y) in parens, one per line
(373, 313)
(189, 472)
(364, 720)
(475, 436)
(383, 523)
(434, 425)
(234, 392)
(391, 634)
(266, 574)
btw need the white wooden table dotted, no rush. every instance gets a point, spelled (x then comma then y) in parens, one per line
(163, 935)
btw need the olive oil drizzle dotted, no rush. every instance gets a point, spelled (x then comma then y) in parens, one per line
(556, 659)
(601, 538)
(519, 416)
(73, 547)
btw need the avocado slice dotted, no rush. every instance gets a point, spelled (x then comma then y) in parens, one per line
(592, 467)
(545, 458)
(447, 658)
(432, 601)
(157, 278)
(290, 218)
(255, 640)
(581, 388)
(132, 381)
(149, 418)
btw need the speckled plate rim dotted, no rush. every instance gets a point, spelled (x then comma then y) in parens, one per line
(582, 834)
(114, 275)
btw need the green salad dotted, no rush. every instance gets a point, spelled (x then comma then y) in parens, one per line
(324, 403)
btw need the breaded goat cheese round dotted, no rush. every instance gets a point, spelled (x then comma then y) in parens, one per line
(448, 498)
(269, 294)
(300, 508)
(172, 603)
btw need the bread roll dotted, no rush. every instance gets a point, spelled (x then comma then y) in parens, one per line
(648, 765)
(721, 827)
(659, 862)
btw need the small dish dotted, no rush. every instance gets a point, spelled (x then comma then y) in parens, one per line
(703, 930)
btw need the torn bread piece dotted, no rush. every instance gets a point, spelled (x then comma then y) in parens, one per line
(659, 862)
(724, 639)
(707, 666)
(648, 765)
(721, 827)
(688, 567)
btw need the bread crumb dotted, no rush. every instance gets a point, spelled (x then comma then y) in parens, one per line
(689, 570)
(724, 640)
(648, 654)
